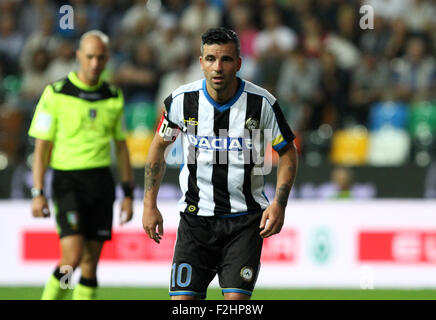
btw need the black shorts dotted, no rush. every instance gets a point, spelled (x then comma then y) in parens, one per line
(83, 201)
(206, 246)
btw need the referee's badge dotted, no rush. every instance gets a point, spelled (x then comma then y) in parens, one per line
(247, 274)
(93, 113)
(251, 124)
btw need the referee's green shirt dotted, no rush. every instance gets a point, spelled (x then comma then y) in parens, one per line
(81, 121)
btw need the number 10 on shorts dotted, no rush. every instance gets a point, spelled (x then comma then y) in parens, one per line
(181, 275)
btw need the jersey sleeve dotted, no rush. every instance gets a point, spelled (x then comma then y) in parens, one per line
(43, 124)
(174, 112)
(280, 132)
(120, 132)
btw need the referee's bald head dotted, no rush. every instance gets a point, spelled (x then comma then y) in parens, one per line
(95, 35)
(92, 54)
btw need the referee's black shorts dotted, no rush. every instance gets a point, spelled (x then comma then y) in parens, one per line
(83, 202)
(206, 246)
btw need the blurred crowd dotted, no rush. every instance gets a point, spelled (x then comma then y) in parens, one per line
(337, 82)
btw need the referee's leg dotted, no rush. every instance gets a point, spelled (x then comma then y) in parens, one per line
(86, 289)
(71, 253)
(72, 249)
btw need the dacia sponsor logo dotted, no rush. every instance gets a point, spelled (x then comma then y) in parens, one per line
(221, 143)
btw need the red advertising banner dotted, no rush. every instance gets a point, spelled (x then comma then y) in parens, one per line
(399, 246)
(136, 246)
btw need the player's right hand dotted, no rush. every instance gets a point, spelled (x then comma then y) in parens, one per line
(151, 219)
(40, 207)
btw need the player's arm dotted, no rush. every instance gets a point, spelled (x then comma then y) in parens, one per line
(274, 216)
(41, 158)
(154, 172)
(126, 176)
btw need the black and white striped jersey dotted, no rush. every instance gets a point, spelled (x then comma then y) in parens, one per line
(223, 147)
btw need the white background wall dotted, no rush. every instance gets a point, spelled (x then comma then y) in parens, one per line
(356, 244)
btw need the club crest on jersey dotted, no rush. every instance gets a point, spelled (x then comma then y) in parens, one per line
(251, 124)
(247, 274)
(93, 113)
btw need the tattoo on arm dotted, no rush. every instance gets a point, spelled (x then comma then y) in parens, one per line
(283, 191)
(152, 175)
(283, 194)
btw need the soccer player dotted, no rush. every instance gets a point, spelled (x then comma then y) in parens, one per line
(224, 212)
(74, 123)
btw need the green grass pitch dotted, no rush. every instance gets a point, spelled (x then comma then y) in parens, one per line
(131, 293)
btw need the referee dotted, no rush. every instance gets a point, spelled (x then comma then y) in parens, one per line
(224, 213)
(74, 123)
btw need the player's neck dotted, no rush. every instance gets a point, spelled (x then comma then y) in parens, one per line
(223, 96)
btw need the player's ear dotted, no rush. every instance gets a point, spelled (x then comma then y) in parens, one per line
(239, 63)
(200, 59)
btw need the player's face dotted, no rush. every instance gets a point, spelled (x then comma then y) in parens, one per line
(220, 63)
(92, 57)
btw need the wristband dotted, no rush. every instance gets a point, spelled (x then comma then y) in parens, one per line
(128, 189)
(35, 192)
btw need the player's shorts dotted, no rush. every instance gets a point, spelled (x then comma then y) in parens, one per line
(83, 202)
(206, 246)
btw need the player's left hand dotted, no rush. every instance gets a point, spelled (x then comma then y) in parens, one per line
(272, 220)
(126, 213)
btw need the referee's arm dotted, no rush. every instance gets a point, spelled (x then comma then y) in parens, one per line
(126, 175)
(286, 172)
(41, 157)
(154, 172)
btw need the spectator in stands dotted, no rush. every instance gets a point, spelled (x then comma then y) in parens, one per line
(271, 45)
(415, 73)
(341, 42)
(312, 37)
(35, 78)
(376, 40)
(11, 41)
(396, 44)
(174, 7)
(298, 10)
(240, 19)
(168, 43)
(342, 179)
(64, 61)
(43, 37)
(347, 24)
(389, 9)
(326, 11)
(179, 75)
(33, 14)
(139, 77)
(420, 17)
(370, 82)
(199, 16)
(335, 88)
(107, 17)
(139, 14)
(2, 89)
(299, 89)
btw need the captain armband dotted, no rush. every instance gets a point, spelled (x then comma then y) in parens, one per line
(166, 129)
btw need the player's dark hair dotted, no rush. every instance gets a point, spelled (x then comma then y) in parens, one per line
(220, 35)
